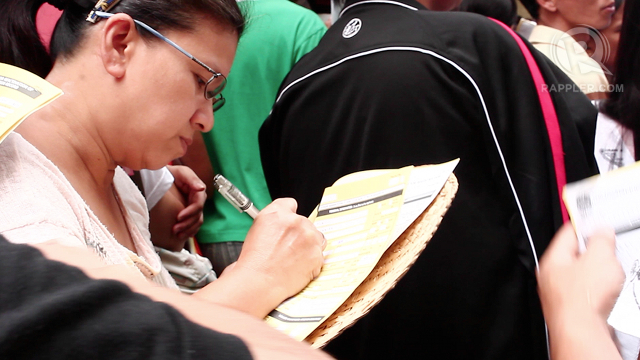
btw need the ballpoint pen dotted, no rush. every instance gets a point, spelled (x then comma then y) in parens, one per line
(234, 196)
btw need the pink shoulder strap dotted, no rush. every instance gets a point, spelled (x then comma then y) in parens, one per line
(550, 118)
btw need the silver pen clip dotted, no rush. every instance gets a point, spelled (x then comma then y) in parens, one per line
(234, 196)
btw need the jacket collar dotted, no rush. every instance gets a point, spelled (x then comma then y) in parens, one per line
(408, 4)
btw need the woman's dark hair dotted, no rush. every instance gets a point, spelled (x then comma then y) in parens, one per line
(20, 43)
(505, 11)
(618, 3)
(623, 104)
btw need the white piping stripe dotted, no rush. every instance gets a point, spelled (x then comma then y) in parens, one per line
(378, 2)
(334, 65)
(484, 107)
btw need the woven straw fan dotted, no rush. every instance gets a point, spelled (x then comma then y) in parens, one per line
(393, 264)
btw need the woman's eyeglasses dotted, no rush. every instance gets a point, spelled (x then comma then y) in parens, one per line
(215, 85)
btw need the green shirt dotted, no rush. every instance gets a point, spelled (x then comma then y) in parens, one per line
(277, 35)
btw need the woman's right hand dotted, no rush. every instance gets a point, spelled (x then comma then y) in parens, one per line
(284, 248)
(281, 254)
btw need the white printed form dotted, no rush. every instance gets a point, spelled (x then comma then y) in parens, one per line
(424, 185)
(360, 217)
(613, 200)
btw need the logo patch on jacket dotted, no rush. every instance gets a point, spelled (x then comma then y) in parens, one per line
(352, 28)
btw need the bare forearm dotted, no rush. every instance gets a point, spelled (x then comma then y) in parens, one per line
(581, 337)
(243, 290)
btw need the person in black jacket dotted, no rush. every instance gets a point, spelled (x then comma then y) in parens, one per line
(392, 84)
(503, 10)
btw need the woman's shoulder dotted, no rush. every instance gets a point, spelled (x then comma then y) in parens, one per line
(36, 201)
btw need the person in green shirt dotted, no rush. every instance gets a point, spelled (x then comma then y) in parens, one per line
(278, 34)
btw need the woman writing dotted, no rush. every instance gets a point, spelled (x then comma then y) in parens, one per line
(133, 98)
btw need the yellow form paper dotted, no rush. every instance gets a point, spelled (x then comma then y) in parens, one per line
(21, 93)
(360, 216)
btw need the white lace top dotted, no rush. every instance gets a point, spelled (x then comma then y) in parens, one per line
(37, 204)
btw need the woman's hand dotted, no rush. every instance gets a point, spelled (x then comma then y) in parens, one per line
(281, 254)
(178, 214)
(577, 292)
(193, 190)
(285, 248)
(591, 281)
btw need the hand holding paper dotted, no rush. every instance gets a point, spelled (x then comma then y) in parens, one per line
(577, 292)
(611, 200)
(361, 216)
